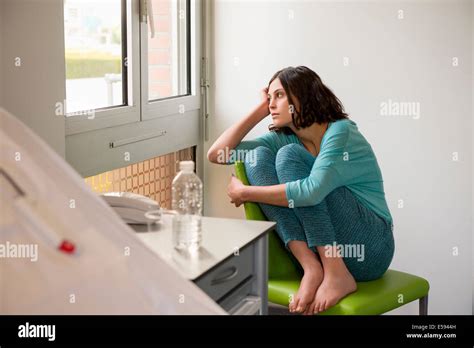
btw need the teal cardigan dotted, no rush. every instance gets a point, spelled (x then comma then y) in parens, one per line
(345, 159)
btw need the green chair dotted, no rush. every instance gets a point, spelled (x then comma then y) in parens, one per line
(394, 289)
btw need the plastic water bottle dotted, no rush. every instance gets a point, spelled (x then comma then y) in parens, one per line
(187, 202)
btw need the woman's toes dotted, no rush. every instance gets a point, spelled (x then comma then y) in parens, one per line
(316, 306)
(315, 303)
(320, 302)
(301, 307)
(309, 309)
(308, 286)
(293, 304)
(305, 310)
(324, 306)
(320, 306)
(328, 305)
(333, 289)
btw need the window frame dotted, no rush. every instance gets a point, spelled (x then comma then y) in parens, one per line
(139, 108)
(118, 115)
(171, 105)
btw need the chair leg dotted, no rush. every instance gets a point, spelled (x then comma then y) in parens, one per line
(423, 307)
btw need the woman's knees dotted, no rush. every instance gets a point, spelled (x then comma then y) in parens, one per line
(289, 151)
(291, 163)
(259, 165)
(258, 156)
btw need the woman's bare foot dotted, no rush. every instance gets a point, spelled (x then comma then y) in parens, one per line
(334, 287)
(312, 278)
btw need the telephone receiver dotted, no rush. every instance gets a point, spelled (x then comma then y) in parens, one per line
(132, 207)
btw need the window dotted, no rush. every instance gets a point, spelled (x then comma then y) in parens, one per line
(129, 61)
(168, 57)
(96, 50)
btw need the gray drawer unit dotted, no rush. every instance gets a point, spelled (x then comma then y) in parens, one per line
(227, 275)
(238, 283)
(237, 295)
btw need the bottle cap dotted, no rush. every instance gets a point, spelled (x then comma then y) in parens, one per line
(187, 166)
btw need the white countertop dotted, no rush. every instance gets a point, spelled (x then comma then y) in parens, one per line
(221, 238)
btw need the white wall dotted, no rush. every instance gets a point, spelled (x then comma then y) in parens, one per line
(407, 59)
(32, 30)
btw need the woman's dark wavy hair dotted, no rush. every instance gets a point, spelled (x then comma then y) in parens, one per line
(317, 102)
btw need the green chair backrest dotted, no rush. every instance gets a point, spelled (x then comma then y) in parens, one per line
(281, 264)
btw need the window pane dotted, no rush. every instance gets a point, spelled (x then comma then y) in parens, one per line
(94, 43)
(167, 50)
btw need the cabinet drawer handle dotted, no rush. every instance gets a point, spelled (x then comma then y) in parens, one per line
(224, 279)
(117, 143)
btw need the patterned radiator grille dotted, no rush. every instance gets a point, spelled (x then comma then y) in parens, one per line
(151, 178)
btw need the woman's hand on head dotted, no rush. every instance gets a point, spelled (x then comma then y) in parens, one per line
(265, 111)
(264, 95)
(235, 191)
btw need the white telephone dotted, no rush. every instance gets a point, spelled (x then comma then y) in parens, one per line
(131, 207)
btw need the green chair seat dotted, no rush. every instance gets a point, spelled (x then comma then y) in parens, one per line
(379, 296)
(394, 289)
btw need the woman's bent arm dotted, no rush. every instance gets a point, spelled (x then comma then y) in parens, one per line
(234, 135)
(274, 195)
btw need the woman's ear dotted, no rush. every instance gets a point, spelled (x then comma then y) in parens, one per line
(294, 104)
